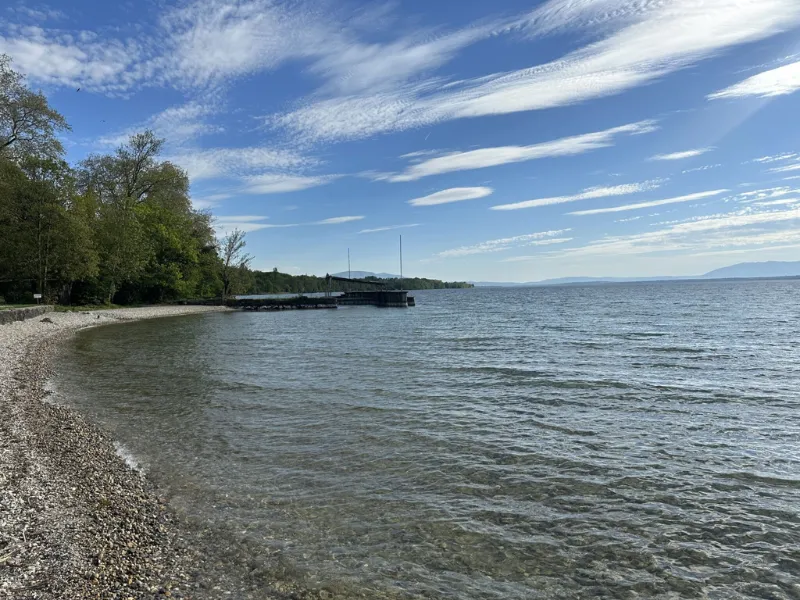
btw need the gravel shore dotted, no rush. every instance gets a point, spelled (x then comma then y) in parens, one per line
(75, 520)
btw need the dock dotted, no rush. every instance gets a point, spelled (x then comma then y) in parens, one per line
(381, 298)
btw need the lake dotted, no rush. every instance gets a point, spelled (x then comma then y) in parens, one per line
(555, 442)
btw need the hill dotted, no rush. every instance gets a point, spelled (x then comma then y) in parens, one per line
(756, 269)
(749, 270)
(365, 274)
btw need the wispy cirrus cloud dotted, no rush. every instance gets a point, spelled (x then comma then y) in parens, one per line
(338, 220)
(775, 82)
(232, 162)
(786, 168)
(452, 195)
(272, 183)
(650, 204)
(587, 194)
(36, 13)
(210, 201)
(491, 157)
(73, 58)
(542, 238)
(714, 232)
(389, 228)
(776, 157)
(249, 223)
(762, 194)
(687, 32)
(681, 155)
(176, 124)
(703, 168)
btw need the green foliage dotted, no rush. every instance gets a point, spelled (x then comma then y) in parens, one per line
(274, 282)
(119, 228)
(28, 124)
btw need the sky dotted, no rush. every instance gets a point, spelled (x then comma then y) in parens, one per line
(505, 141)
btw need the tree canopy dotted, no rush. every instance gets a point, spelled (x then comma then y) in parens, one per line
(119, 227)
(28, 125)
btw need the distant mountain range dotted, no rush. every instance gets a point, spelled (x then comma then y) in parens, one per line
(363, 274)
(751, 270)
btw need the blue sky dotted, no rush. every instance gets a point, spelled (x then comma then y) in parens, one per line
(506, 141)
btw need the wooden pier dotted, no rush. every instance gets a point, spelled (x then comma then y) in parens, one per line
(380, 298)
(292, 303)
(384, 298)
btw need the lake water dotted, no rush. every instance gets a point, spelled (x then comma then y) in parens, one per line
(613, 441)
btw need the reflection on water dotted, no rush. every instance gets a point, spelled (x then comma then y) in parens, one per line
(598, 441)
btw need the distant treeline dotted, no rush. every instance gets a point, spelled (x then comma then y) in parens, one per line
(274, 282)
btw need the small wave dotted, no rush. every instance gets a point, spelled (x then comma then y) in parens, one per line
(766, 479)
(678, 350)
(128, 457)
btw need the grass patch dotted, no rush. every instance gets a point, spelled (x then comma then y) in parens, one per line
(5, 306)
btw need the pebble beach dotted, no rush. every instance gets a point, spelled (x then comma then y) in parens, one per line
(75, 520)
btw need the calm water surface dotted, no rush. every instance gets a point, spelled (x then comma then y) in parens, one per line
(600, 441)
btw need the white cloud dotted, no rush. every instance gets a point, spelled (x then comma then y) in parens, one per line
(786, 202)
(452, 195)
(278, 183)
(247, 223)
(253, 223)
(681, 155)
(210, 201)
(587, 194)
(644, 42)
(241, 218)
(356, 67)
(214, 40)
(490, 157)
(337, 220)
(175, 124)
(686, 198)
(776, 157)
(230, 162)
(79, 60)
(786, 168)
(420, 153)
(762, 194)
(531, 239)
(388, 228)
(694, 235)
(179, 124)
(538, 243)
(40, 13)
(776, 82)
(703, 168)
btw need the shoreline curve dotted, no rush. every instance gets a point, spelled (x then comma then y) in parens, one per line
(75, 520)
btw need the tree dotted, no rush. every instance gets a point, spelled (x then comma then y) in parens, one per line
(148, 236)
(132, 174)
(28, 124)
(235, 263)
(47, 242)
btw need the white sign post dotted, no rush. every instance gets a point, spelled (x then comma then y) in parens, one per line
(37, 297)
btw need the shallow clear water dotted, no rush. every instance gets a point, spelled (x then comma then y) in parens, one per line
(594, 441)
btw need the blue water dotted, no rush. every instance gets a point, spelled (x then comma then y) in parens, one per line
(613, 441)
